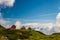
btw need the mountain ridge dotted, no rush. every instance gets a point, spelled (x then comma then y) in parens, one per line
(26, 34)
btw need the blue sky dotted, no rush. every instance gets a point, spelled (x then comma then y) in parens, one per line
(33, 10)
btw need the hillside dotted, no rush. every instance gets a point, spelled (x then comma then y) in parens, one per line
(23, 34)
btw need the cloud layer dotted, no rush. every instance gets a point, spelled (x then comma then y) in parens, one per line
(45, 27)
(8, 3)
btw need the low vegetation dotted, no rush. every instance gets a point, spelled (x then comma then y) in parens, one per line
(23, 34)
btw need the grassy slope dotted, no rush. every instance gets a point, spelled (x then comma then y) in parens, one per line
(26, 35)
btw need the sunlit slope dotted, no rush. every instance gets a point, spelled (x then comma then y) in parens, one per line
(23, 34)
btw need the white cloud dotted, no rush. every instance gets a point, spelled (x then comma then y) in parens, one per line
(46, 27)
(9, 3)
(32, 24)
(58, 19)
(39, 25)
(57, 27)
(18, 24)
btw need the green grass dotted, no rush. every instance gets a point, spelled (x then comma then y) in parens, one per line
(24, 34)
